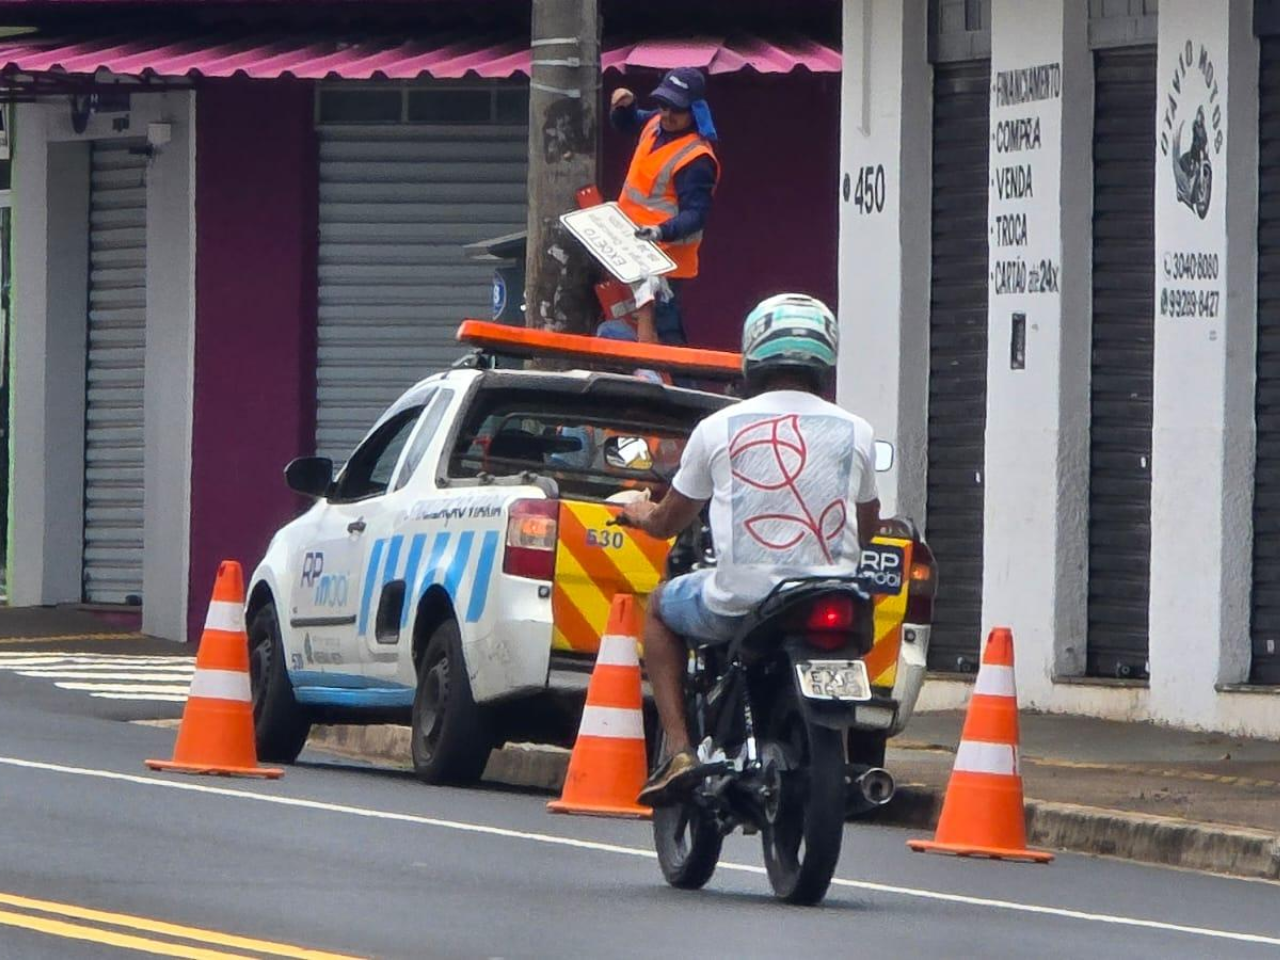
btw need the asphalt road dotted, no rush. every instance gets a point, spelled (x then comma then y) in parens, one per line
(100, 857)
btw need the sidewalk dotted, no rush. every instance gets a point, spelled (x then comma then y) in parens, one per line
(1135, 767)
(1134, 790)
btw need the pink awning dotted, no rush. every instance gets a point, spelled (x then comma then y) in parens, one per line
(317, 57)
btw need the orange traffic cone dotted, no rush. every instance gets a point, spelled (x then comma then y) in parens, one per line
(608, 765)
(216, 735)
(982, 814)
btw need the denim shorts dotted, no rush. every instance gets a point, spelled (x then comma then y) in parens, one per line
(679, 604)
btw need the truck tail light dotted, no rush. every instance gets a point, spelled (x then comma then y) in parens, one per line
(532, 532)
(922, 585)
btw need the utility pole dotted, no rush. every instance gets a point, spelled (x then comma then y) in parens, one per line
(564, 97)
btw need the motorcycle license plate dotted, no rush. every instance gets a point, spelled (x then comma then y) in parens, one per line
(834, 680)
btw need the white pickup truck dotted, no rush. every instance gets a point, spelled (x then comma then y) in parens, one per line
(458, 570)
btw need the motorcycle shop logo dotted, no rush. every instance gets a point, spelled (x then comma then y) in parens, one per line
(1191, 133)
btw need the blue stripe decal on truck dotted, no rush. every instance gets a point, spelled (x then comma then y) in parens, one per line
(484, 574)
(393, 561)
(366, 599)
(411, 574)
(458, 566)
(432, 573)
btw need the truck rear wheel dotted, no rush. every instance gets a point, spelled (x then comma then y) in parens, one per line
(451, 732)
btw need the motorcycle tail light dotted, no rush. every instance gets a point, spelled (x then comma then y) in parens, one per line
(830, 613)
(829, 622)
(532, 533)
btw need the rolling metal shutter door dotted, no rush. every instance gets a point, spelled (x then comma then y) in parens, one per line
(1266, 493)
(397, 204)
(113, 448)
(958, 357)
(1124, 152)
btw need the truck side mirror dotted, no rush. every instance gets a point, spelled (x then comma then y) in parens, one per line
(310, 476)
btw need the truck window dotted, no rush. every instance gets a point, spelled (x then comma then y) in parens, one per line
(426, 434)
(512, 432)
(369, 470)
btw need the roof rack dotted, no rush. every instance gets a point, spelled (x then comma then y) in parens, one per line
(502, 340)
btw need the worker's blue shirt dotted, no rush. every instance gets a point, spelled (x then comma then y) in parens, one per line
(694, 182)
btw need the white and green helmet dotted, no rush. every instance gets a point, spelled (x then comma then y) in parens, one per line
(790, 330)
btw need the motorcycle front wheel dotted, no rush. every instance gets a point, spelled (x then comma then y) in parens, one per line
(804, 822)
(686, 839)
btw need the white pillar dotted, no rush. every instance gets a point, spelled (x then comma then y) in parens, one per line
(170, 367)
(884, 239)
(50, 293)
(1205, 355)
(1038, 377)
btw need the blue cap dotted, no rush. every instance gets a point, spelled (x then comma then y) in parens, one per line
(681, 87)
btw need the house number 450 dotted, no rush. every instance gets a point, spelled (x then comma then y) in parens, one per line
(867, 189)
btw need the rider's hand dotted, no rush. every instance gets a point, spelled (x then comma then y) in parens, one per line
(653, 234)
(622, 97)
(637, 513)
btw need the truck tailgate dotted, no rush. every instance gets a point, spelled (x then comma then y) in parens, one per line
(593, 562)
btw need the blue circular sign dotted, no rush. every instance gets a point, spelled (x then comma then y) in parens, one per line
(499, 295)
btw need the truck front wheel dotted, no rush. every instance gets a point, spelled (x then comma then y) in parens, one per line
(451, 735)
(280, 725)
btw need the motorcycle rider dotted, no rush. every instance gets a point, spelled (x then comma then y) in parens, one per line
(791, 482)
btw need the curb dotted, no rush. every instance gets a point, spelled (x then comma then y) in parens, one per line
(1170, 841)
(528, 765)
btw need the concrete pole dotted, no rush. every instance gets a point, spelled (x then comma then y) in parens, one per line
(564, 96)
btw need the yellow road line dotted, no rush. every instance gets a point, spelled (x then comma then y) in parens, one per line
(197, 934)
(74, 931)
(67, 637)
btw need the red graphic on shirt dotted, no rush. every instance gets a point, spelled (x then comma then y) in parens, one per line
(780, 462)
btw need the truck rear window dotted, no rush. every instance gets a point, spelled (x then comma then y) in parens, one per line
(565, 438)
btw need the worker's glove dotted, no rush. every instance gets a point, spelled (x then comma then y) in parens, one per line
(653, 234)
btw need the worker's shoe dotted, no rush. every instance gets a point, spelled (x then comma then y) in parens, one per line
(670, 783)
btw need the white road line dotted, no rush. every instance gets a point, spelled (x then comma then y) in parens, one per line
(154, 697)
(553, 840)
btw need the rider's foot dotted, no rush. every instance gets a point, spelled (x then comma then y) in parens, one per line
(671, 781)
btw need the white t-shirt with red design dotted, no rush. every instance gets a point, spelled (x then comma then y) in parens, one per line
(783, 472)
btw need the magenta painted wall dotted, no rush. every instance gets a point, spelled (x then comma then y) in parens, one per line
(775, 223)
(256, 247)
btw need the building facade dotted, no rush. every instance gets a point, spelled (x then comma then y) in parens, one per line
(1058, 262)
(238, 237)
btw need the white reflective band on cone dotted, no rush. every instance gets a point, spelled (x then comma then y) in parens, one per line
(221, 685)
(995, 681)
(977, 756)
(612, 722)
(617, 652)
(228, 617)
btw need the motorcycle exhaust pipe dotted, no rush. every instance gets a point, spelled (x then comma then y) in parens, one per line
(876, 786)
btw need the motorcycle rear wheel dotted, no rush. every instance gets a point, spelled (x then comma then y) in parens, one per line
(686, 839)
(803, 836)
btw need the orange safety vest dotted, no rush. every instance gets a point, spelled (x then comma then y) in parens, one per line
(649, 194)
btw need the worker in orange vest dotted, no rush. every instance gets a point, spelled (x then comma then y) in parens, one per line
(670, 185)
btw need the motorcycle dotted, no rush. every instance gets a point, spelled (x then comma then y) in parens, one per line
(771, 716)
(769, 713)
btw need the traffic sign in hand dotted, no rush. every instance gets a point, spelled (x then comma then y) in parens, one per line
(622, 97)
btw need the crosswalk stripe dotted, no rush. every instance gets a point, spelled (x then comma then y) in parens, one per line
(158, 664)
(106, 676)
(90, 675)
(126, 687)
